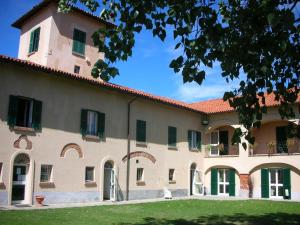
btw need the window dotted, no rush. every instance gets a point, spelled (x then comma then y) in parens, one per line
(24, 112)
(1, 171)
(172, 136)
(79, 38)
(276, 182)
(223, 139)
(171, 174)
(46, 173)
(140, 131)
(140, 174)
(281, 140)
(223, 178)
(194, 139)
(76, 69)
(34, 40)
(89, 174)
(214, 142)
(92, 123)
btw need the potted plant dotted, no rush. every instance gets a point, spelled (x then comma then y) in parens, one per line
(39, 200)
(271, 147)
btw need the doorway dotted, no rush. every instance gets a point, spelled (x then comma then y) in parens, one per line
(223, 181)
(109, 182)
(196, 184)
(20, 181)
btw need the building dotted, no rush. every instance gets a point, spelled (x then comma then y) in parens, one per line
(72, 138)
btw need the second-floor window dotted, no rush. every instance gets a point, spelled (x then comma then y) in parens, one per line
(281, 139)
(34, 40)
(79, 39)
(172, 136)
(141, 131)
(194, 139)
(24, 112)
(92, 123)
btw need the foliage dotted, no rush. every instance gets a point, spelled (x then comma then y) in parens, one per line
(257, 37)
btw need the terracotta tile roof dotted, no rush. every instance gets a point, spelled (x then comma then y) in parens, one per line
(107, 85)
(19, 23)
(213, 106)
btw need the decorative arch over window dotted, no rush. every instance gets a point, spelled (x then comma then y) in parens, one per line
(71, 146)
(25, 138)
(139, 154)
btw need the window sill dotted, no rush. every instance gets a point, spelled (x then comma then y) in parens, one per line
(174, 148)
(140, 183)
(78, 54)
(26, 129)
(90, 184)
(91, 138)
(31, 53)
(172, 181)
(47, 185)
(141, 144)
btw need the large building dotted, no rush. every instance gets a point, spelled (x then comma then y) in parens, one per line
(72, 138)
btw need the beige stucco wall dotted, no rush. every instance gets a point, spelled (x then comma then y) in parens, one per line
(62, 101)
(56, 40)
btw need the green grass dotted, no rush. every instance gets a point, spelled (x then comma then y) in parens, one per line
(183, 212)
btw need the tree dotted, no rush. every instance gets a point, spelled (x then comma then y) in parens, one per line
(257, 37)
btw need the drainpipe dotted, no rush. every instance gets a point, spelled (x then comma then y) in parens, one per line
(128, 147)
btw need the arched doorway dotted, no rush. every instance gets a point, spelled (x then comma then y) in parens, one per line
(109, 186)
(196, 181)
(20, 180)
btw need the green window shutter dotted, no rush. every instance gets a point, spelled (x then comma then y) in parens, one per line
(214, 181)
(172, 133)
(83, 122)
(231, 182)
(31, 43)
(37, 115)
(141, 131)
(287, 183)
(36, 39)
(101, 125)
(12, 111)
(198, 140)
(190, 139)
(79, 39)
(264, 183)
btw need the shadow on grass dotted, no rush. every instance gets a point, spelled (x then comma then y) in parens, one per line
(266, 219)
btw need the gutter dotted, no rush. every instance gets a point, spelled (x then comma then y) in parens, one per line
(128, 146)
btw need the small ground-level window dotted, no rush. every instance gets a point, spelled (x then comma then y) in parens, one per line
(140, 174)
(76, 69)
(46, 173)
(89, 174)
(171, 174)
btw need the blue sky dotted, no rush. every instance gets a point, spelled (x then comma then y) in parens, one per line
(147, 70)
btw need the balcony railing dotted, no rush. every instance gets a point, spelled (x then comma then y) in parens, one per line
(221, 150)
(289, 147)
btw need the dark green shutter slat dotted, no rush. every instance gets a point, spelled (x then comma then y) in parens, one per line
(190, 139)
(231, 182)
(101, 125)
(12, 111)
(198, 136)
(83, 122)
(287, 183)
(172, 136)
(37, 115)
(214, 181)
(75, 41)
(31, 42)
(264, 183)
(141, 131)
(36, 39)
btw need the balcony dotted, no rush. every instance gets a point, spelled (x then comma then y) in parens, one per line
(273, 148)
(221, 150)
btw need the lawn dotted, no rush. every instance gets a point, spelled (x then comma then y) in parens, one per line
(181, 212)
